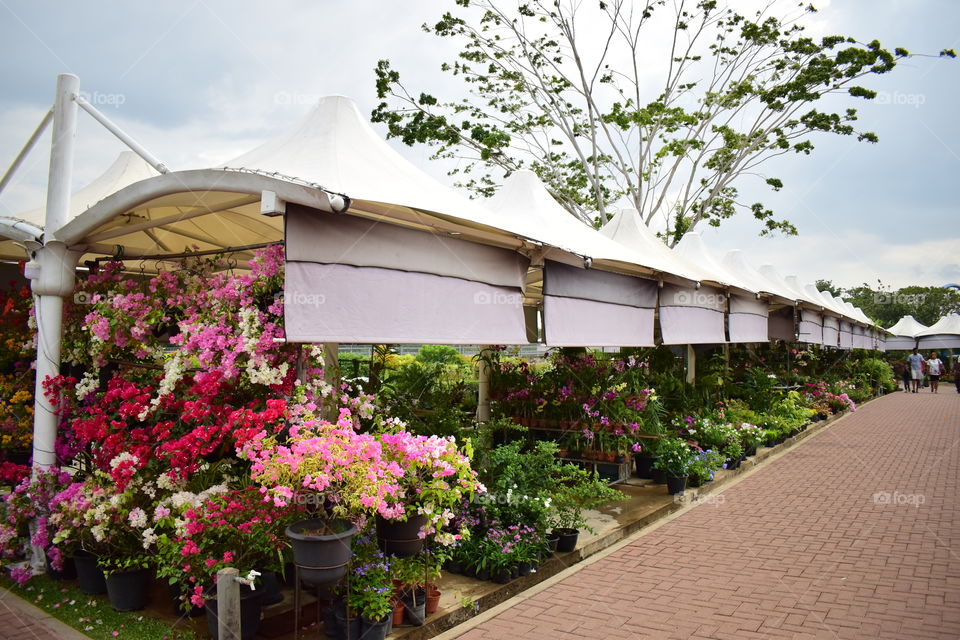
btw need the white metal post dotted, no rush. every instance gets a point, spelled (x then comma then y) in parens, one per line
(56, 268)
(61, 153)
(691, 364)
(483, 384)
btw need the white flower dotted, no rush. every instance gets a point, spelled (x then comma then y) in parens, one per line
(89, 384)
(149, 538)
(137, 518)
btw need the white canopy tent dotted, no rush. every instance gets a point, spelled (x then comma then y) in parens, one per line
(687, 314)
(748, 314)
(126, 169)
(943, 334)
(584, 306)
(362, 217)
(904, 334)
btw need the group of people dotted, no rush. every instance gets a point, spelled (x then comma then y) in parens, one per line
(917, 366)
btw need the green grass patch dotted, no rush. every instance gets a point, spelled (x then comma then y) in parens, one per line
(91, 615)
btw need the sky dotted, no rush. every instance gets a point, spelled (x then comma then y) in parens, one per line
(199, 82)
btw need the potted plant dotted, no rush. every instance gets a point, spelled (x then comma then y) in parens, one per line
(410, 574)
(575, 490)
(436, 477)
(675, 457)
(336, 472)
(370, 593)
(233, 528)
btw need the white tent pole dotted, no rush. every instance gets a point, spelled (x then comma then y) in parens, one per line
(26, 149)
(483, 384)
(61, 153)
(691, 364)
(55, 277)
(152, 160)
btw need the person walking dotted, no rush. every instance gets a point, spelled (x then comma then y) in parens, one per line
(915, 360)
(956, 374)
(934, 370)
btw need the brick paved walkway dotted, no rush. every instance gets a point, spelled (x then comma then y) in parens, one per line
(20, 620)
(855, 533)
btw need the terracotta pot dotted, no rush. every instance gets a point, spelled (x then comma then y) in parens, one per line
(398, 613)
(433, 599)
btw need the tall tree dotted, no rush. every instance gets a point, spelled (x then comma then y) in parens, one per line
(564, 87)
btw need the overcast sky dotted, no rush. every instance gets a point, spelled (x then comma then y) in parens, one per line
(200, 82)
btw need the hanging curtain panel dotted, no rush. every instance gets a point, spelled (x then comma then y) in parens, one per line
(748, 319)
(846, 335)
(900, 343)
(349, 279)
(589, 307)
(781, 325)
(811, 326)
(859, 337)
(831, 331)
(692, 316)
(940, 342)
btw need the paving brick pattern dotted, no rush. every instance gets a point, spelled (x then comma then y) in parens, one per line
(854, 533)
(20, 621)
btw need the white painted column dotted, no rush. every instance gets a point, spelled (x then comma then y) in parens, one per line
(483, 384)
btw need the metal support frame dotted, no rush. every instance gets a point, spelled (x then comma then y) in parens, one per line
(108, 124)
(31, 141)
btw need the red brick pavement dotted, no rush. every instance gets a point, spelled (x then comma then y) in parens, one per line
(854, 533)
(20, 620)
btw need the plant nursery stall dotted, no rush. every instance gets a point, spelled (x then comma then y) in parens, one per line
(190, 414)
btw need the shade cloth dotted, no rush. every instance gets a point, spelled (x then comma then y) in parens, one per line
(747, 320)
(354, 280)
(588, 307)
(810, 328)
(692, 316)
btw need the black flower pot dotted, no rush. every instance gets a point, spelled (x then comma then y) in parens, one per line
(502, 576)
(89, 574)
(271, 588)
(659, 476)
(251, 604)
(524, 569)
(127, 590)
(177, 593)
(454, 566)
(401, 539)
(338, 625)
(67, 572)
(644, 465)
(415, 607)
(676, 484)
(375, 630)
(568, 539)
(553, 540)
(322, 558)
